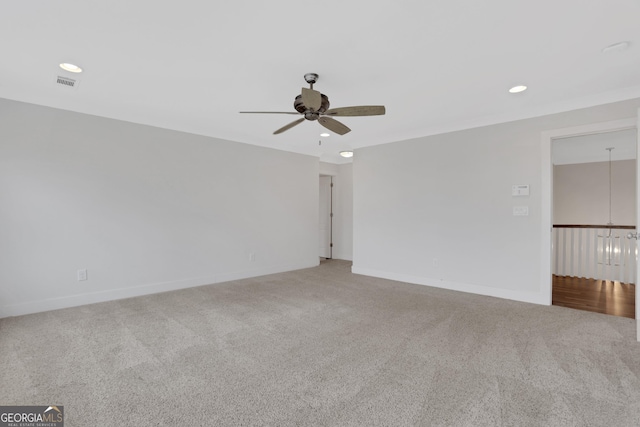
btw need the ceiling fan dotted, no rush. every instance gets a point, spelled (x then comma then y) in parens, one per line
(314, 105)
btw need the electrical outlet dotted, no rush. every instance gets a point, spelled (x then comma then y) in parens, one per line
(82, 275)
(252, 256)
(435, 262)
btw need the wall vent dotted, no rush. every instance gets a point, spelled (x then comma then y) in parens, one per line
(67, 82)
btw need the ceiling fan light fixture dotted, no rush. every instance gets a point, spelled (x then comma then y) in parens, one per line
(518, 89)
(314, 106)
(325, 134)
(72, 68)
(346, 153)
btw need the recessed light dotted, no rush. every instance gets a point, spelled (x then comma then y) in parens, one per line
(324, 135)
(616, 47)
(72, 68)
(346, 154)
(517, 89)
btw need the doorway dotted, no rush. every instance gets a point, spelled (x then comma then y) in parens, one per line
(547, 234)
(594, 202)
(325, 237)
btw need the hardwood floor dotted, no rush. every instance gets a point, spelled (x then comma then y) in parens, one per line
(601, 296)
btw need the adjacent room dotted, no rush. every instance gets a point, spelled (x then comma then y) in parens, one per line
(343, 214)
(594, 212)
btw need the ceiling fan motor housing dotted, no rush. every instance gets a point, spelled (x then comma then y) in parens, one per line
(310, 114)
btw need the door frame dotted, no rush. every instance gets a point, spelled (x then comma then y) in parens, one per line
(547, 138)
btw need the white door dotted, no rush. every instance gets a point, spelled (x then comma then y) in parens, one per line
(325, 217)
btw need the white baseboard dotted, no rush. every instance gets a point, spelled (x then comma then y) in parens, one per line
(100, 296)
(245, 274)
(530, 297)
(49, 304)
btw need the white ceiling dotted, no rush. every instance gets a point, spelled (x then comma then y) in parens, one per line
(437, 65)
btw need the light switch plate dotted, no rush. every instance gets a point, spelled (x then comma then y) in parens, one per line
(520, 190)
(521, 211)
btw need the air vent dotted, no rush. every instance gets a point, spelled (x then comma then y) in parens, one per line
(67, 82)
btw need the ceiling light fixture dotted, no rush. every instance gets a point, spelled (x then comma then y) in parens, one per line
(517, 89)
(72, 68)
(611, 243)
(325, 135)
(346, 154)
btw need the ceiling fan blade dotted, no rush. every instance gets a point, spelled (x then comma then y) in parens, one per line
(289, 126)
(311, 99)
(361, 110)
(333, 125)
(267, 112)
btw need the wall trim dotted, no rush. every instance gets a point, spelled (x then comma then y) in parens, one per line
(50, 304)
(530, 297)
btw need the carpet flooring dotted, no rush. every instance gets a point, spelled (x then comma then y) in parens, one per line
(323, 347)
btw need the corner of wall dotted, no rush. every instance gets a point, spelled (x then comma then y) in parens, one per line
(522, 296)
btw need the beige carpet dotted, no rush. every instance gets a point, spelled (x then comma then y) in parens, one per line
(323, 347)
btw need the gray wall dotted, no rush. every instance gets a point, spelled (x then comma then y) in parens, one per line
(438, 210)
(343, 213)
(581, 193)
(142, 209)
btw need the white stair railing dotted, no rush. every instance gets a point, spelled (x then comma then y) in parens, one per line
(595, 252)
